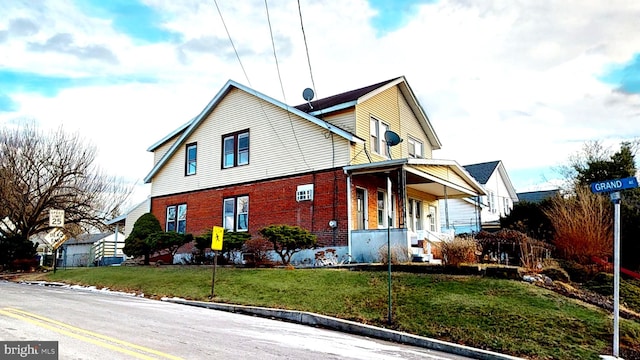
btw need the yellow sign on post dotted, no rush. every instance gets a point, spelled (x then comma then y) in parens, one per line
(216, 238)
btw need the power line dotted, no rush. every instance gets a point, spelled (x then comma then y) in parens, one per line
(231, 41)
(284, 97)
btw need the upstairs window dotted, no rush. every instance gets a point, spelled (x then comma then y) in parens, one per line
(416, 149)
(378, 144)
(177, 218)
(235, 149)
(192, 155)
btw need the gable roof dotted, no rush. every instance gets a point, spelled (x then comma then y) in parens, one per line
(352, 98)
(537, 196)
(482, 171)
(87, 238)
(188, 128)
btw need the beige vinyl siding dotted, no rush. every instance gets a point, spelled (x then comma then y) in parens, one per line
(410, 126)
(384, 107)
(280, 144)
(461, 213)
(345, 120)
(159, 152)
(390, 107)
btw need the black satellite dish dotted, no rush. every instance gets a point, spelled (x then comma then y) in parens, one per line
(392, 139)
(308, 95)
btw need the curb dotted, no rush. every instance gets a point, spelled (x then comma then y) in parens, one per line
(312, 319)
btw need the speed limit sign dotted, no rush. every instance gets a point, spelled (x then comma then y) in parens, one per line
(56, 218)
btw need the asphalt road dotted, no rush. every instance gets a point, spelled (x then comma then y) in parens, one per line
(103, 325)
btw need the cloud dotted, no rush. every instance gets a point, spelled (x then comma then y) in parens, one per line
(64, 43)
(23, 27)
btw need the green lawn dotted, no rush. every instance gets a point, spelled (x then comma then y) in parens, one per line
(506, 316)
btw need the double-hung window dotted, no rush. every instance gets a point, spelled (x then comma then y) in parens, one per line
(236, 213)
(416, 149)
(177, 218)
(192, 155)
(378, 144)
(235, 149)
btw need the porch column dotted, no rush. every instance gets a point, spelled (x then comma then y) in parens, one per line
(446, 207)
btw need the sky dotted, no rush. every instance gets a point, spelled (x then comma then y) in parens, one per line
(525, 82)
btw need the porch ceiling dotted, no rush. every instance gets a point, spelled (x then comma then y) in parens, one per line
(441, 178)
(436, 188)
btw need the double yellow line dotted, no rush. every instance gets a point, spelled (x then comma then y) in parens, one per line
(104, 341)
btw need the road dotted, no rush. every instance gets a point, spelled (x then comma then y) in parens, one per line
(104, 325)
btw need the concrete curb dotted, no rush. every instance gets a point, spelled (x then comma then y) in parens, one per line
(307, 318)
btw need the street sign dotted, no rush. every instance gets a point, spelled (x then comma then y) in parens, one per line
(54, 235)
(56, 218)
(216, 238)
(614, 185)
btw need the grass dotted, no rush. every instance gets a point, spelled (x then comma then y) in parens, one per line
(506, 316)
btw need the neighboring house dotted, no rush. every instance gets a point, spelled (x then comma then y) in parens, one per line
(248, 161)
(92, 249)
(124, 223)
(537, 196)
(472, 214)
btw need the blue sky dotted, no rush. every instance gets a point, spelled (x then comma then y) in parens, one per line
(525, 83)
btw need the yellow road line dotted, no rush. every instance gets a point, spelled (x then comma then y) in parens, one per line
(45, 323)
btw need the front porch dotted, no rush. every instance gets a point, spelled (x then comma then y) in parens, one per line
(396, 202)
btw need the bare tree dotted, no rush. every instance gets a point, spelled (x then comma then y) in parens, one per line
(41, 170)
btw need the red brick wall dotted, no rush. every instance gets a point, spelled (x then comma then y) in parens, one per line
(270, 202)
(372, 183)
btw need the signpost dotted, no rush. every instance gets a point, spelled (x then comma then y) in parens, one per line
(614, 187)
(216, 245)
(56, 236)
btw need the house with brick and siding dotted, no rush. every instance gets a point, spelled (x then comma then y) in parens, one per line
(247, 161)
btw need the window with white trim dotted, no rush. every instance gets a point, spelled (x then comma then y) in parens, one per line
(382, 205)
(235, 149)
(415, 214)
(304, 192)
(432, 218)
(236, 213)
(378, 144)
(176, 218)
(191, 162)
(416, 148)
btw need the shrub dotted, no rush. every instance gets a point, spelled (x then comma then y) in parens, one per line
(556, 274)
(399, 254)
(583, 225)
(258, 250)
(577, 272)
(459, 251)
(288, 240)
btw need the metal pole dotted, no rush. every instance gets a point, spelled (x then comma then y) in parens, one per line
(615, 197)
(213, 279)
(389, 312)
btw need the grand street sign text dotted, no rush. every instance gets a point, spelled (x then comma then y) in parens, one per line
(614, 185)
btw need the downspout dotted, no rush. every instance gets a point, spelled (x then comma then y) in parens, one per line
(349, 206)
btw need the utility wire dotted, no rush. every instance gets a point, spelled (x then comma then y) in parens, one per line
(232, 45)
(284, 97)
(247, 77)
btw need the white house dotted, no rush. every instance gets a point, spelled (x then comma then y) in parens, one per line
(472, 214)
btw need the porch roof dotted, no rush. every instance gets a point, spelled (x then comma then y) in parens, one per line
(441, 178)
